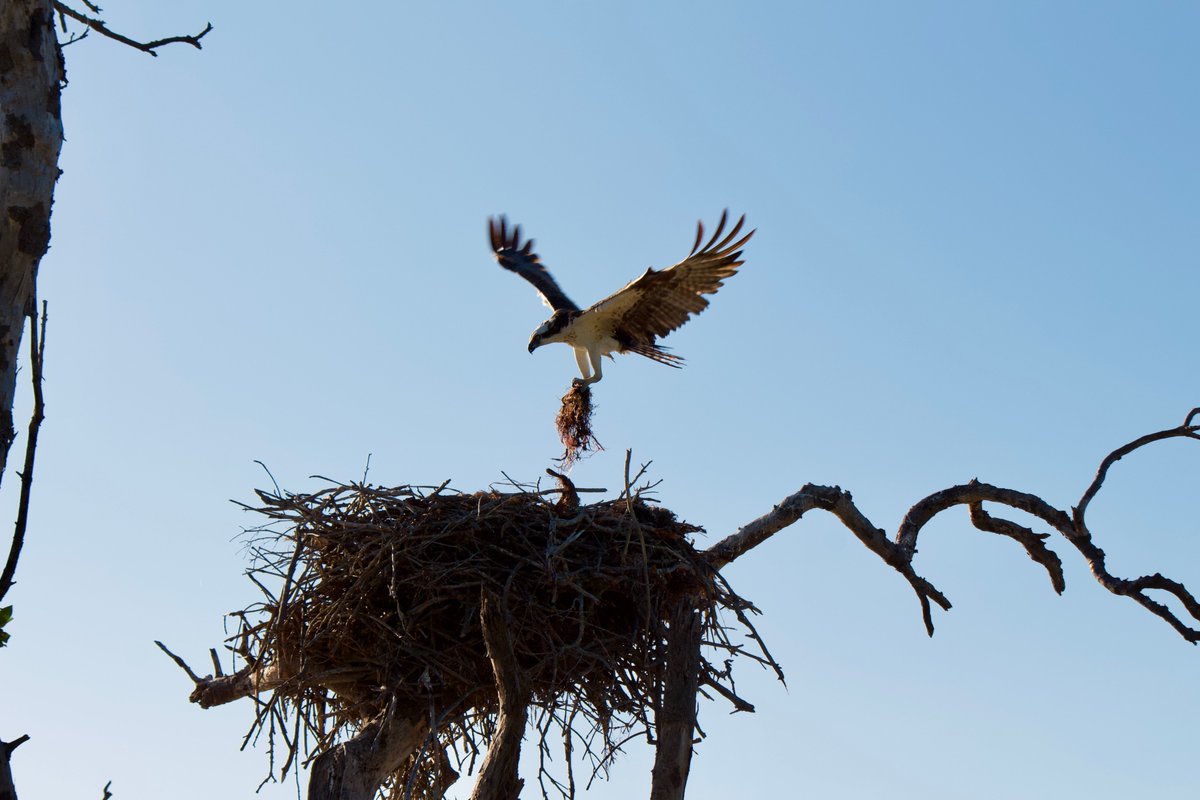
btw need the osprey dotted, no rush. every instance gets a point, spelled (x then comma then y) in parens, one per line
(632, 319)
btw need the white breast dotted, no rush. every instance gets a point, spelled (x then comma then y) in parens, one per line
(592, 332)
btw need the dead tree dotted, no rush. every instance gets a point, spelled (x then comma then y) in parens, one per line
(32, 76)
(413, 631)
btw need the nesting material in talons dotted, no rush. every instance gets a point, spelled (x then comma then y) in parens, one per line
(575, 424)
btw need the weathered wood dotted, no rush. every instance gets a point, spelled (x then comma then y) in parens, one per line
(8, 790)
(675, 720)
(31, 135)
(498, 778)
(899, 552)
(247, 682)
(356, 768)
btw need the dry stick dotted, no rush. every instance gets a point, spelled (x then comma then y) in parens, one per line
(216, 662)
(739, 704)
(196, 679)
(1187, 429)
(569, 496)
(641, 534)
(839, 503)
(1035, 543)
(37, 351)
(99, 26)
(221, 689)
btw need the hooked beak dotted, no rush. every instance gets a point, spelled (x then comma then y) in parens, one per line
(534, 343)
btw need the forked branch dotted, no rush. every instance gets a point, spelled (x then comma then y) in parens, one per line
(898, 552)
(99, 26)
(218, 689)
(37, 352)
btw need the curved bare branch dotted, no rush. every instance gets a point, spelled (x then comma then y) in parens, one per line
(899, 553)
(99, 26)
(1188, 429)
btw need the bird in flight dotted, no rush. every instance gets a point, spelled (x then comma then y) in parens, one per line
(635, 317)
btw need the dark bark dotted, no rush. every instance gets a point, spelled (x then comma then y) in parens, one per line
(356, 768)
(675, 720)
(37, 343)
(899, 551)
(31, 135)
(100, 27)
(8, 790)
(498, 778)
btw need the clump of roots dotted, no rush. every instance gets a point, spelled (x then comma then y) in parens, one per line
(575, 424)
(372, 604)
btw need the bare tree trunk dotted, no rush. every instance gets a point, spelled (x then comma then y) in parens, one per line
(355, 769)
(31, 134)
(675, 721)
(498, 777)
(8, 791)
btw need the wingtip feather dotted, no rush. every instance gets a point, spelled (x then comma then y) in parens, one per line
(699, 236)
(717, 233)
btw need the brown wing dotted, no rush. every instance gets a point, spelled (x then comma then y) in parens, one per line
(520, 258)
(660, 301)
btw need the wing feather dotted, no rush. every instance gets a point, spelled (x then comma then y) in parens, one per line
(520, 258)
(662, 300)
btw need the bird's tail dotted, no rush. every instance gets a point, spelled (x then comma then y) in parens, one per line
(656, 352)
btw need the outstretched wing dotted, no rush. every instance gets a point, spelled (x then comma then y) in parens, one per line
(520, 258)
(660, 301)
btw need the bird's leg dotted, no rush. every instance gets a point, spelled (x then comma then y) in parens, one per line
(597, 359)
(584, 369)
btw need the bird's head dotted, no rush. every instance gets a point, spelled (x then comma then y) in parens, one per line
(549, 330)
(538, 337)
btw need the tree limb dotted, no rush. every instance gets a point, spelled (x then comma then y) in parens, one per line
(217, 690)
(839, 503)
(1188, 429)
(8, 790)
(37, 349)
(498, 777)
(675, 718)
(899, 552)
(355, 769)
(99, 26)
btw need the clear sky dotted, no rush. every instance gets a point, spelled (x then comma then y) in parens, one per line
(976, 257)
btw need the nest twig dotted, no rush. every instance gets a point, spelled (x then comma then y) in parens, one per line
(371, 607)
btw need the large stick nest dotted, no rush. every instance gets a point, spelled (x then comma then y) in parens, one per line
(372, 606)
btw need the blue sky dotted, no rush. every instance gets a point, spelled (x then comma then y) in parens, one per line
(976, 257)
